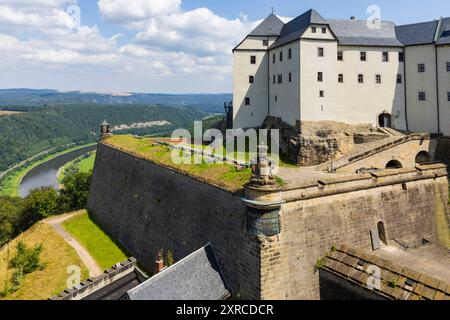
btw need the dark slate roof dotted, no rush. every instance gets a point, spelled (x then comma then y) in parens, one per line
(271, 26)
(445, 34)
(294, 29)
(397, 282)
(418, 33)
(356, 32)
(196, 277)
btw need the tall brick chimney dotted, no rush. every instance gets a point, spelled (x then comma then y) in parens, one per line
(159, 263)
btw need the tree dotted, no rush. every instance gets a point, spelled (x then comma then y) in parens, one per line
(10, 211)
(75, 191)
(41, 203)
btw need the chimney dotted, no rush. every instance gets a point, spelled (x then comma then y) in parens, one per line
(159, 263)
(353, 18)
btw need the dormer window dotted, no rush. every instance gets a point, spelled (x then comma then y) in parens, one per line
(314, 30)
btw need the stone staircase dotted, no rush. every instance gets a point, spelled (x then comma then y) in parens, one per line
(396, 138)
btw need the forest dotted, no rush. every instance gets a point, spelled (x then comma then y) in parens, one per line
(39, 128)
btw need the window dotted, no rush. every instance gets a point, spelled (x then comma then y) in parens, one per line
(320, 52)
(274, 79)
(340, 78)
(319, 76)
(360, 78)
(378, 78)
(399, 78)
(363, 56)
(401, 56)
(280, 78)
(422, 96)
(421, 67)
(340, 56)
(251, 79)
(253, 59)
(290, 54)
(281, 55)
(324, 30)
(448, 96)
(247, 101)
(314, 29)
(321, 93)
(290, 77)
(276, 98)
(448, 66)
(274, 58)
(385, 56)
(265, 43)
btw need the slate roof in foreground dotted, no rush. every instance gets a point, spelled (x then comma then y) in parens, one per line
(417, 33)
(196, 277)
(271, 26)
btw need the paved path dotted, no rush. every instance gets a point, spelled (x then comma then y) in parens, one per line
(91, 264)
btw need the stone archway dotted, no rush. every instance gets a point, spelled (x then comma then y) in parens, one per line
(394, 164)
(382, 232)
(385, 120)
(423, 157)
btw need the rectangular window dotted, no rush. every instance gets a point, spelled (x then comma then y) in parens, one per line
(385, 56)
(290, 54)
(274, 58)
(448, 66)
(320, 52)
(251, 79)
(421, 67)
(319, 76)
(290, 77)
(253, 59)
(265, 43)
(448, 96)
(360, 78)
(247, 101)
(401, 56)
(324, 30)
(274, 79)
(314, 29)
(280, 78)
(422, 96)
(340, 56)
(321, 93)
(378, 79)
(276, 98)
(281, 55)
(399, 78)
(363, 56)
(340, 78)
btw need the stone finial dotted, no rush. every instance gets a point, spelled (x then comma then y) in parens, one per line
(262, 171)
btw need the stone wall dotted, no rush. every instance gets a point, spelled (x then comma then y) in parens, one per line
(442, 151)
(314, 218)
(147, 207)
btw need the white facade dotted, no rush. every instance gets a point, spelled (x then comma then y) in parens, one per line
(310, 83)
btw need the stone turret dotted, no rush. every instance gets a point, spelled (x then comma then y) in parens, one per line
(262, 170)
(104, 130)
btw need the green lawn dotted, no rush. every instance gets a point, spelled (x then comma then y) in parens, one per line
(10, 186)
(82, 164)
(101, 247)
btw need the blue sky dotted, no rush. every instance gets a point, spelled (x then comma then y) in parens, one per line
(152, 45)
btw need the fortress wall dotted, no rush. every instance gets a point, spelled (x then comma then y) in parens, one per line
(310, 227)
(147, 207)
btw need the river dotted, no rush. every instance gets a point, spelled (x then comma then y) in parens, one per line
(45, 175)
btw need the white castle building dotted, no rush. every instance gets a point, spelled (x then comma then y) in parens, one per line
(314, 69)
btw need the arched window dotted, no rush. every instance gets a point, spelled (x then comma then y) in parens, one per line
(423, 157)
(394, 164)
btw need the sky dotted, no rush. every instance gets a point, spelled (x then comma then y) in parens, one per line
(158, 46)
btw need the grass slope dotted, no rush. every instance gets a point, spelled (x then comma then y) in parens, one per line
(83, 165)
(101, 247)
(57, 254)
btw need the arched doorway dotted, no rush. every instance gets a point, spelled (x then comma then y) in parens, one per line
(423, 157)
(382, 232)
(394, 164)
(385, 120)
